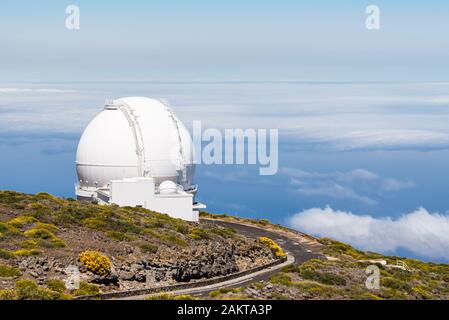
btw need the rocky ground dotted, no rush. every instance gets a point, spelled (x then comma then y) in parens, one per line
(342, 275)
(41, 236)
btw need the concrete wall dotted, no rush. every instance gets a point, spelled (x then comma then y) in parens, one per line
(176, 206)
(141, 192)
(132, 192)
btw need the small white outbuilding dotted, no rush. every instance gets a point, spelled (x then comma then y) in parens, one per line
(136, 152)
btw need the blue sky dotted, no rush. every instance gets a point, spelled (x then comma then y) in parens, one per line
(227, 40)
(362, 115)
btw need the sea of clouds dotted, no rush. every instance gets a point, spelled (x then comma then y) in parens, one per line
(420, 232)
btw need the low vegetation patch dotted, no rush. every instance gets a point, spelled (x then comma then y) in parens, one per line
(5, 254)
(9, 271)
(149, 248)
(96, 262)
(44, 233)
(27, 252)
(168, 296)
(281, 278)
(29, 290)
(56, 285)
(199, 233)
(274, 247)
(86, 289)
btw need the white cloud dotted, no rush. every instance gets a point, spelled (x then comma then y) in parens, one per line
(390, 139)
(341, 117)
(232, 176)
(391, 184)
(352, 175)
(34, 90)
(420, 232)
(344, 184)
(332, 190)
(357, 174)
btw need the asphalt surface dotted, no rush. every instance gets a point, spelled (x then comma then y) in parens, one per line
(290, 246)
(298, 251)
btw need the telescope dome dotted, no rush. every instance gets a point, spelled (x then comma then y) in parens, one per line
(135, 137)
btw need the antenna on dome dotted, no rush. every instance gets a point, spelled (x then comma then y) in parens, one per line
(109, 104)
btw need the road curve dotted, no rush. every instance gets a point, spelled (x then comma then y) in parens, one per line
(296, 251)
(290, 246)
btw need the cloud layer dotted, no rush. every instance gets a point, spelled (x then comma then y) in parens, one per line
(329, 116)
(344, 184)
(420, 232)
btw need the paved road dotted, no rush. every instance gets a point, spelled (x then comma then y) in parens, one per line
(290, 246)
(300, 253)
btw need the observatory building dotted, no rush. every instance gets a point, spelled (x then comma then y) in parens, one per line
(136, 152)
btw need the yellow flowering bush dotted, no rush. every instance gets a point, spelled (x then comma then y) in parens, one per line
(277, 250)
(96, 262)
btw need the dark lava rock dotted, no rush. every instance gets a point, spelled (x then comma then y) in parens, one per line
(159, 276)
(140, 277)
(212, 262)
(106, 280)
(126, 276)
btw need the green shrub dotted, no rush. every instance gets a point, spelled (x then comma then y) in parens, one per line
(48, 197)
(308, 286)
(149, 248)
(8, 294)
(395, 284)
(151, 233)
(281, 278)
(421, 292)
(86, 289)
(27, 252)
(45, 236)
(182, 228)
(333, 247)
(175, 240)
(185, 297)
(21, 221)
(9, 271)
(214, 293)
(96, 262)
(392, 294)
(120, 236)
(224, 232)
(275, 248)
(94, 223)
(29, 290)
(29, 244)
(168, 296)
(7, 230)
(11, 197)
(368, 296)
(198, 233)
(323, 277)
(56, 285)
(227, 290)
(47, 226)
(293, 268)
(5, 254)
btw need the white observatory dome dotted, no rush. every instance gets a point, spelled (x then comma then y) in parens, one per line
(168, 187)
(135, 137)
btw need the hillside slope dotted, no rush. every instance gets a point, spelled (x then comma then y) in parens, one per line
(41, 236)
(342, 274)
